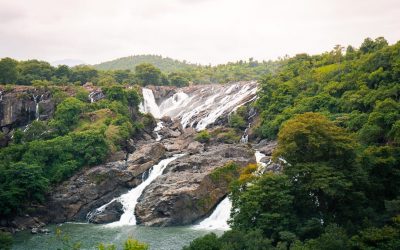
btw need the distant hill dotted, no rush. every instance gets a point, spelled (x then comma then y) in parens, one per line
(166, 64)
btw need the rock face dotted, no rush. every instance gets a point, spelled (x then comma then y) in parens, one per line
(94, 187)
(187, 190)
(22, 105)
(111, 213)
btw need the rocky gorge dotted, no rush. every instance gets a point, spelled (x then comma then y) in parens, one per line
(186, 190)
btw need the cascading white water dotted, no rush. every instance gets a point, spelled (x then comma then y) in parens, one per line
(200, 105)
(91, 94)
(149, 104)
(130, 199)
(218, 220)
(157, 129)
(37, 100)
(245, 136)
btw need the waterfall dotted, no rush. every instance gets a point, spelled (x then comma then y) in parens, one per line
(199, 106)
(149, 104)
(158, 128)
(37, 99)
(219, 217)
(1, 96)
(245, 136)
(130, 199)
(91, 98)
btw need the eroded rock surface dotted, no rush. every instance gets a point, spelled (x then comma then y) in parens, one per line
(187, 191)
(91, 188)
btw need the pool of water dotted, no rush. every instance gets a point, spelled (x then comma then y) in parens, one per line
(90, 235)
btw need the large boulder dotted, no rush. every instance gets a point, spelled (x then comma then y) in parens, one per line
(145, 157)
(111, 213)
(188, 189)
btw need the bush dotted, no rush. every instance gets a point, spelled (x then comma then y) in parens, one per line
(6, 240)
(207, 242)
(203, 136)
(237, 121)
(226, 135)
(132, 244)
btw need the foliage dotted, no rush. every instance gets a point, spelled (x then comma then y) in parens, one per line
(132, 244)
(336, 117)
(266, 205)
(226, 135)
(8, 70)
(6, 240)
(227, 173)
(147, 74)
(48, 152)
(67, 114)
(203, 136)
(237, 121)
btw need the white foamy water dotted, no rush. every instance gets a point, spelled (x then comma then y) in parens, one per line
(200, 105)
(218, 220)
(130, 199)
(149, 104)
(157, 129)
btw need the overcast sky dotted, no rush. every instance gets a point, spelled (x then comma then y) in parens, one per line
(200, 31)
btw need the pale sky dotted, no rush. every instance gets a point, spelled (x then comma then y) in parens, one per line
(199, 31)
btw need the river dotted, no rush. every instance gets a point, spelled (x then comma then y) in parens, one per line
(90, 235)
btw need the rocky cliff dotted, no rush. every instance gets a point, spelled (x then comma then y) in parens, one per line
(188, 190)
(21, 105)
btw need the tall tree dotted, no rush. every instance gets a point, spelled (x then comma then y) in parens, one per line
(147, 74)
(8, 70)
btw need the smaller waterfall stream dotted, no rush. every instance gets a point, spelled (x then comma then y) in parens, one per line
(219, 218)
(157, 129)
(130, 199)
(37, 99)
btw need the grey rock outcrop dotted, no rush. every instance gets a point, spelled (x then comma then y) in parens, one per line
(188, 190)
(96, 186)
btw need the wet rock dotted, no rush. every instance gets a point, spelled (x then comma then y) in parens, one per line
(111, 213)
(144, 157)
(89, 189)
(18, 106)
(35, 230)
(26, 222)
(266, 147)
(117, 156)
(44, 231)
(186, 191)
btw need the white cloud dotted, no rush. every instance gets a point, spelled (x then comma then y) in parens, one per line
(204, 31)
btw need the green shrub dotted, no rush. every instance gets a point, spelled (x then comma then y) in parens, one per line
(237, 121)
(6, 240)
(203, 136)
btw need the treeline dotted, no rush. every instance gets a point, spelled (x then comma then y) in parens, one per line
(34, 72)
(80, 134)
(337, 120)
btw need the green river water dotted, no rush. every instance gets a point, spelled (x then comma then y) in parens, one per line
(90, 235)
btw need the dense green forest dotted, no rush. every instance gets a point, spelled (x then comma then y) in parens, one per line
(337, 120)
(80, 134)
